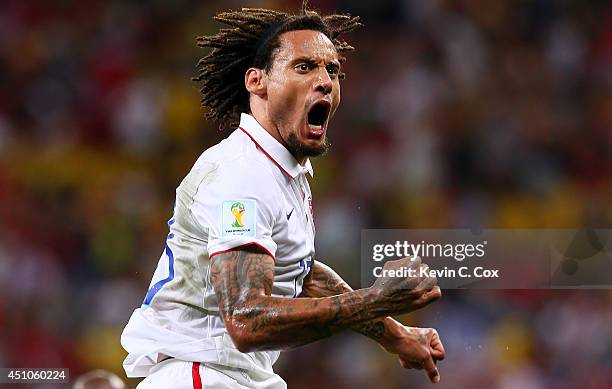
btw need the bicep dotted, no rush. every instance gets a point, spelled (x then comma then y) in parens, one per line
(239, 276)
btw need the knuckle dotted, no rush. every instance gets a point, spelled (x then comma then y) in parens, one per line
(391, 264)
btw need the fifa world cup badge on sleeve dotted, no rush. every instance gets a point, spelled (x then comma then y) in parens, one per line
(239, 218)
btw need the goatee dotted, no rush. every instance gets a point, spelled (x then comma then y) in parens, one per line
(298, 149)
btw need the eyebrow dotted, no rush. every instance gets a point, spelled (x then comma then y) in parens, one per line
(310, 60)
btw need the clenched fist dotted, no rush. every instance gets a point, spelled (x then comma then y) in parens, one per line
(416, 348)
(405, 285)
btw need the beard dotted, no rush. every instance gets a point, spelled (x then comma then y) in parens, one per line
(299, 149)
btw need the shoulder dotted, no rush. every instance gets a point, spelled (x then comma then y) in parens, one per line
(236, 166)
(235, 153)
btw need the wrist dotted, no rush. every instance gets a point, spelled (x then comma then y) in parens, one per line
(378, 299)
(392, 335)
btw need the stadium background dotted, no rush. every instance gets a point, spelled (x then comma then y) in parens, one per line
(454, 114)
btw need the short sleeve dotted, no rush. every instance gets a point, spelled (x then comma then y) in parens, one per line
(237, 207)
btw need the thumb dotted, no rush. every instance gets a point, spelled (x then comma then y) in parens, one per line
(430, 296)
(437, 354)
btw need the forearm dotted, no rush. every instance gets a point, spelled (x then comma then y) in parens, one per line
(324, 281)
(280, 323)
(256, 320)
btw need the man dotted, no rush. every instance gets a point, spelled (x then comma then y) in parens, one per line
(238, 281)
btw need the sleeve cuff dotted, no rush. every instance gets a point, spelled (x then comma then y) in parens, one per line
(220, 246)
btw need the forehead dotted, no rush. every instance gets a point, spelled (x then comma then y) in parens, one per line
(306, 43)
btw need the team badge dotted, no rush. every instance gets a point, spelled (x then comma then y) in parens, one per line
(239, 217)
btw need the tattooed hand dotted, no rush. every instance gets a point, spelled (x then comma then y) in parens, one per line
(410, 292)
(416, 348)
(323, 281)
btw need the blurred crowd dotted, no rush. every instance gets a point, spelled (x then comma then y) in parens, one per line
(471, 113)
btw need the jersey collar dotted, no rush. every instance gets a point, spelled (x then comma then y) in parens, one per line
(272, 148)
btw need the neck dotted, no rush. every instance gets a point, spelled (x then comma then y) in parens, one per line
(264, 120)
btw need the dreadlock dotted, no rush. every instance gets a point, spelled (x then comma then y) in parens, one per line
(251, 42)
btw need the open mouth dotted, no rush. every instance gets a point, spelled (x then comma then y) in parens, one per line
(318, 115)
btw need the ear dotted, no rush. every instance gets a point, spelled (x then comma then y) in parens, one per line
(255, 82)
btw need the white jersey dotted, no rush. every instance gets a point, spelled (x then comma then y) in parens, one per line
(248, 189)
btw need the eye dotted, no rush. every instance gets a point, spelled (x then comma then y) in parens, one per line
(303, 67)
(332, 69)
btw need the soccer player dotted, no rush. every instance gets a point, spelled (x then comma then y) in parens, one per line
(238, 281)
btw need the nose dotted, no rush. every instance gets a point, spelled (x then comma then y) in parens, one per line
(323, 83)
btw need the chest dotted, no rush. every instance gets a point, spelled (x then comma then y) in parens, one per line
(294, 231)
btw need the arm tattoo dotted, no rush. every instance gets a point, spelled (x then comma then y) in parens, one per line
(374, 329)
(242, 281)
(323, 281)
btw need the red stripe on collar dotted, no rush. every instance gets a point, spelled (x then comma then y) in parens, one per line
(266, 153)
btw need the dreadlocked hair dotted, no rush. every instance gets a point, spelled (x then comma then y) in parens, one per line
(251, 41)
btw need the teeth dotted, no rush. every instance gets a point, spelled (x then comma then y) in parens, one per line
(315, 127)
